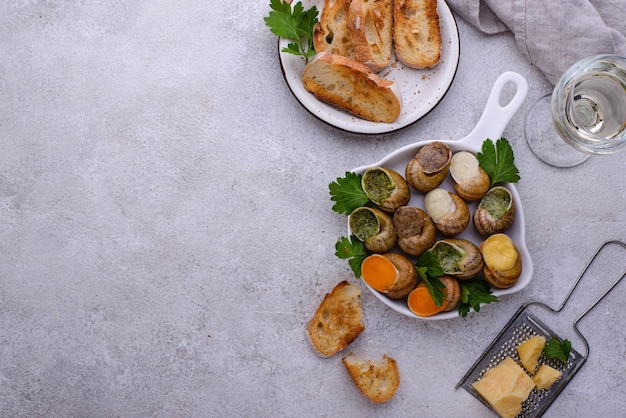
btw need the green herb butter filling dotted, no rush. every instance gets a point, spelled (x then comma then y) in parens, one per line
(449, 257)
(496, 202)
(377, 185)
(364, 224)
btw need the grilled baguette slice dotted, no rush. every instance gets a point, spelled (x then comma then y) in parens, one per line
(378, 380)
(416, 33)
(370, 23)
(337, 321)
(331, 32)
(353, 87)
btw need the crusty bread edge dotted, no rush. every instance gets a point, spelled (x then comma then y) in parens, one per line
(354, 374)
(380, 82)
(312, 322)
(321, 28)
(357, 31)
(356, 65)
(435, 30)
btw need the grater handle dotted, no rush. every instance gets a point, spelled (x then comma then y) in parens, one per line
(608, 290)
(582, 273)
(593, 305)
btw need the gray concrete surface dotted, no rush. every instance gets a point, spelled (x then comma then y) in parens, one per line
(166, 230)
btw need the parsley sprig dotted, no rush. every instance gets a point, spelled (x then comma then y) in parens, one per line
(296, 25)
(429, 270)
(347, 193)
(354, 251)
(558, 349)
(474, 292)
(498, 161)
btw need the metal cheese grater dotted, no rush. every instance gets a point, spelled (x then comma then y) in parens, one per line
(524, 325)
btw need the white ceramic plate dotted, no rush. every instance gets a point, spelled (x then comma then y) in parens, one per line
(421, 90)
(491, 125)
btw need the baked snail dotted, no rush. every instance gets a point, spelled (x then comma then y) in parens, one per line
(429, 167)
(386, 188)
(374, 228)
(495, 212)
(416, 231)
(447, 210)
(471, 182)
(452, 292)
(502, 261)
(458, 257)
(390, 273)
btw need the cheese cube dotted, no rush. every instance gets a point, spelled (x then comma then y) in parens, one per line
(546, 376)
(505, 387)
(530, 350)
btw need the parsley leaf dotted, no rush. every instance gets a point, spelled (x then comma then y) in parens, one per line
(474, 292)
(558, 349)
(428, 264)
(499, 161)
(347, 193)
(429, 270)
(435, 288)
(354, 251)
(296, 25)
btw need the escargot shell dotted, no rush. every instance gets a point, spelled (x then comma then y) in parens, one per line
(429, 167)
(386, 188)
(503, 279)
(496, 275)
(495, 212)
(374, 228)
(447, 210)
(471, 182)
(416, 231)
(452, 292)
(406, 280)
(458, 257)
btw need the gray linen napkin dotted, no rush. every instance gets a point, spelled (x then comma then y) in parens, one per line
(552, 34)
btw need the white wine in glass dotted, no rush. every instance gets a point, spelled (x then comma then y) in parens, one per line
(584, 115)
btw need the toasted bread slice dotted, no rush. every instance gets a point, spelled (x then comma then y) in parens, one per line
(416, 33)
(331, 32)
(378, 381)
(371, 27)
(353, 87)
(337, 321)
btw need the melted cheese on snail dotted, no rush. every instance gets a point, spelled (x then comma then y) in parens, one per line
(499, 252)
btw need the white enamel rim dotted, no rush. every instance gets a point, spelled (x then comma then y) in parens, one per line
(490, 125)
(421, 90)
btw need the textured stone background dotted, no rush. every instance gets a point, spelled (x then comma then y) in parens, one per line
(166, 230)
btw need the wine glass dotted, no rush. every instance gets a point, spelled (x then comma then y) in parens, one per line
(584, 115)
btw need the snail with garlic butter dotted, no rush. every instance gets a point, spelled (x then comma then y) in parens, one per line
(374, 228)
(386, 188)
(458, 257)
(495, 212)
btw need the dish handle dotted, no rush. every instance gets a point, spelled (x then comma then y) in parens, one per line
(496, 117)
